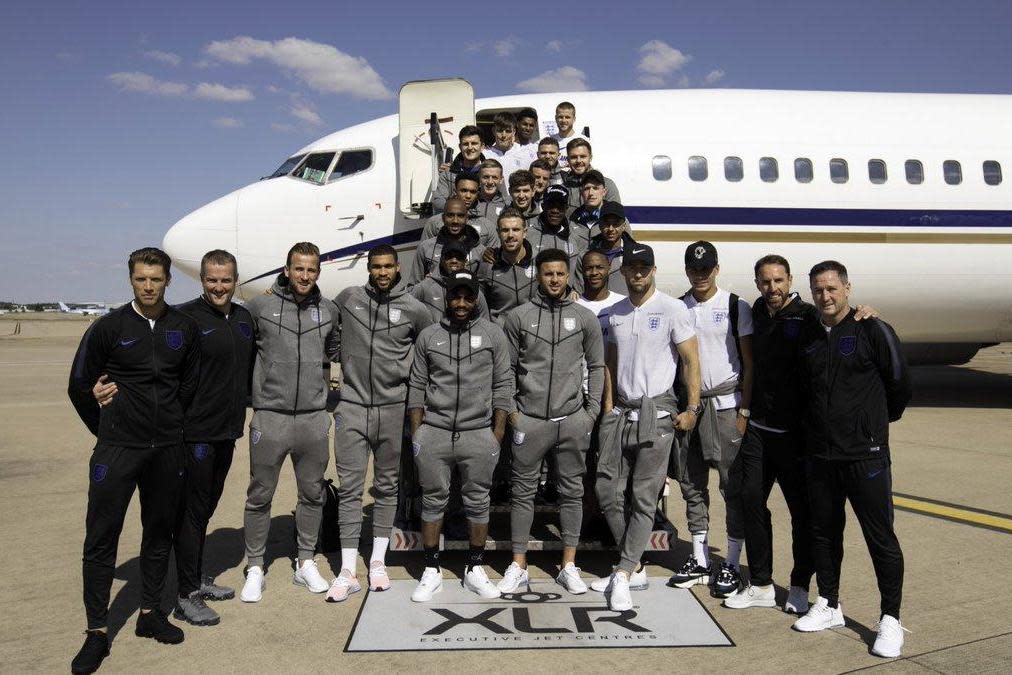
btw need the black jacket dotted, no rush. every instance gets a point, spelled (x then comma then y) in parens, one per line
(777, 400)
(218, 411)
(155, 370)
(857, 382)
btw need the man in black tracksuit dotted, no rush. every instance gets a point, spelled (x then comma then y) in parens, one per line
(151, 352)
(856, 382)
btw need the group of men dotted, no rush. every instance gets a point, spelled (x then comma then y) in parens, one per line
(543, 335)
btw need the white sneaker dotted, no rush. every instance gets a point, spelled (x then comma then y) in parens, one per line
(601, 585)
(820, 616)
(430, 584)
(889, 642)
(619, 598)
(752, 596)
(637, 582)
(797, 601)
(569, 578)
(344, 585)
(308, 574)
(255, 584)
(478, 582)
(515, 580)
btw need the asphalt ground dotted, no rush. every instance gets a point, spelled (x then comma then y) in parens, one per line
(952, 463)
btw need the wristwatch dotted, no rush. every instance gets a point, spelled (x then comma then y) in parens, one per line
(695, 410)
(745, 412)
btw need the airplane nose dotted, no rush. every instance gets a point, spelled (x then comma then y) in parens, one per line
(209, 227)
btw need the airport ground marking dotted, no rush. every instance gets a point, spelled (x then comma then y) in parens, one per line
(957, 513)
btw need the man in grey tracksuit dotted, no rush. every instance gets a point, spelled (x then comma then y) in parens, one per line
(550, 229)
(551, 338)
(509, 280)
(455, 229)
(378, 323)
(296, 333)
(460, 392)
(466, 190)
(431, 292)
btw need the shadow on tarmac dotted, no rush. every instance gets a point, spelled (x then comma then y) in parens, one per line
(960, 387)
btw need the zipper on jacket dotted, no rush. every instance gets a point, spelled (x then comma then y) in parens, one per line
(154, 389)
(298, 357)
(231, 337)
(372, 338)
(551, 363)
(456, 402)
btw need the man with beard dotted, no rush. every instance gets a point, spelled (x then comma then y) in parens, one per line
(548, 152)
(580, 156)
(466, 162)
(551, 230)
(466, 189)
(509, 281)
(378, 324)
(455, 229)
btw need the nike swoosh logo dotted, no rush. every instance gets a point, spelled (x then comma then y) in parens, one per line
(277, 313)
(358, 306)
(440, 344)
(875, 473)
(207, 332)
(127, 343)
(534, 325)
(638, 250)
(436, 298)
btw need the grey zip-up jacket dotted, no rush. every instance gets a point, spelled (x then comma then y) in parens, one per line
(487, 233)
(377, 332)
(431, 292)
(549, 342)
(616, 282)
(507, 285)
(294, 340)
(444, 187)
(572, 182)
(429, 252)
(541, 235)
(490, 210)
(460, 374)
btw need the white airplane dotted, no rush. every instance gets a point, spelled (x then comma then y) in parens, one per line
(907, 190)
(85, 308)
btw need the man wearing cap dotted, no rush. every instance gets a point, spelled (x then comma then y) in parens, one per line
(460, 392)
(431, 292)
(455, 229)
(551, 230)
(650, 334)
(551, 338)
(723, 325)
(509, 281)
(612, 238)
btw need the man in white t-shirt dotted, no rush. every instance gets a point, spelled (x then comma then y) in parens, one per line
(649, 332)
(565, 121)
(527, 136)
(723, 325)
(597, 297)
(505, 149)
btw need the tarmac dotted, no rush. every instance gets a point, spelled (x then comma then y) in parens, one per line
(952, 462)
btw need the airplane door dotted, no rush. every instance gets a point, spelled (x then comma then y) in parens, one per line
(431, 113)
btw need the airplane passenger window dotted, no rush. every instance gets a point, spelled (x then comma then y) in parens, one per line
(915, 171)
(314, 167)
(953, 172)
(803, 170)
(351, 161)
(662, 167)
(768, 170)
(286, 167)
(697, 168)
(838, 172)
(877, 171)
(992, 172)
(733, 170)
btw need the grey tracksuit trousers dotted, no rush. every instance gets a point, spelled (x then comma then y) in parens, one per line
(626, 449)
(358, 430)
(437, 451)
(714, 442)
(273, 436)
(533, 438)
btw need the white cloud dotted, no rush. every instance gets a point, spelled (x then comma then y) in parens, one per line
(305, 112)
(283, 128)
(658, 60)
(714, 76)
(167, 58)
(222, 93)
(554, 46)
(228, 123)
(651, 81)
(321, 66)
(505, 47)
(146, 84)
(566, 78)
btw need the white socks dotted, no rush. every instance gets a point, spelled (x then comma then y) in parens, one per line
(699, 548)
(349, 559)
(379, 549)
(734, 551)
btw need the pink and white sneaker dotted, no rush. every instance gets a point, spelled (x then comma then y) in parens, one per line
(344, 585)
(378, 579)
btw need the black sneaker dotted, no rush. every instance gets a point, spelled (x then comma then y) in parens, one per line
(95, 648)
(155, 624)
(690, 574)
(727, 581)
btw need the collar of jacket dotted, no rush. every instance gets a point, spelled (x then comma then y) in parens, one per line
(543, 300)
(204, 303)
(456, 165)
(585, 216)
(283, 289)
(398, 289)
(561, 231)
(528, 259)
(795, 306)
(468, 235)
(129, 310)
(597, 243)
(571, 180)
(446, 323)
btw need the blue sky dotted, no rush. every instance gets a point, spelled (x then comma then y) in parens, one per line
(120, 117)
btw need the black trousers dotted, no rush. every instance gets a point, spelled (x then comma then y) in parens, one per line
(207, 466)
(867, 484)
(114, 474)
(767, 457)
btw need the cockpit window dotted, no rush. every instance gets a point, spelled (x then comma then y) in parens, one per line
(314, 167)
(351, 161)
(287, 166)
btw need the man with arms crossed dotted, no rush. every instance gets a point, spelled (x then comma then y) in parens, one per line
(296, 332)
(379, 323)
(550, 339)
(151, 352)
(856, 382)
(460, 392)
(649, 332)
